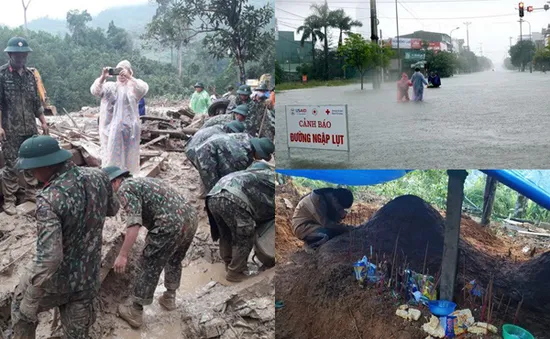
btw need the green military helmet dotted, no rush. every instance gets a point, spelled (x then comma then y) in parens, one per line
(235, 126)
(260, 165)
(114, 172)
(264, 147)
(262, 87)
(244, 89)
(241, 109)
(41, 151)
(18, 45)
(199, 85)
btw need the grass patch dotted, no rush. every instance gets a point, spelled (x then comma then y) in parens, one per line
(315, 83)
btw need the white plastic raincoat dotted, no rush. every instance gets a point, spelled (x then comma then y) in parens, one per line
(119, 123)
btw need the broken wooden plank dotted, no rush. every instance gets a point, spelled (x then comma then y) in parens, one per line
(150, 153)
(154, 141)
(152, 167)
(152, 118)
(180, 134)
(90, 152)
(533, 233)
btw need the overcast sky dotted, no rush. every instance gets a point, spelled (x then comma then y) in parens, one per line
(492, 21)
(12, 10)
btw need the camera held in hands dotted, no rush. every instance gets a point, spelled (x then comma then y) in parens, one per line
(114, 71)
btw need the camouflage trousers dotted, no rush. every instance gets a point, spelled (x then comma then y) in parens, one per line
(10, 177)
(163, 250)
(76, 310)
(236, 228)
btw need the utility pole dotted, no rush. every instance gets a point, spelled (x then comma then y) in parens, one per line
(510, 42)
(398, 50)
(520, 29)
(481, 48)
(467, 24)
(374, 37)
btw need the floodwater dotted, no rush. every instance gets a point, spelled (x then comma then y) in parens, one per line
(484, 120)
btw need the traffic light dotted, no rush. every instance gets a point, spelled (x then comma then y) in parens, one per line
(521, 8)
(529, 8)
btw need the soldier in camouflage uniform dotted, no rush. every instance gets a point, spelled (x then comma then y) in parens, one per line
(70, 212)
(239, 113)
(205, 133)
(20, 105)
(244, 93)
(261, 116)
(237, 205)
(171, 223)
(227, 153)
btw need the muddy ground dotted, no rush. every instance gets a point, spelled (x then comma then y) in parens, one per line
(208, 305)
(322, 299)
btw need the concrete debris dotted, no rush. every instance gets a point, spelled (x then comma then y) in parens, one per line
(433, 328)
(482, 328)
(408, 313)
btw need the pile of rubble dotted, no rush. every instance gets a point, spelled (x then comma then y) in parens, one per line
(209, 306)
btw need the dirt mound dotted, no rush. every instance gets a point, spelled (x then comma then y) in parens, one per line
(286, 199)
(319, 287)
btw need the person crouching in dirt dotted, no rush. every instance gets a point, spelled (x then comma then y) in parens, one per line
(206, 133)
(171, 223)
(70, 212)
(318, 216)
(236, 206)
(238, 113)
(227, 153)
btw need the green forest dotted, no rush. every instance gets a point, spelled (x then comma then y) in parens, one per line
(70, 63)
(431, 185)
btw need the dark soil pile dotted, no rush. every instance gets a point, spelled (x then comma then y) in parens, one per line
(320, 291)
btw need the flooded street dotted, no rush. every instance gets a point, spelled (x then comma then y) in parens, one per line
(492, 119)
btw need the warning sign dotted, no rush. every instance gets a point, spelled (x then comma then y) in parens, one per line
(318, 127)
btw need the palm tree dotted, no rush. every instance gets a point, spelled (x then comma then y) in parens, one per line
(344, 23)
(311, 30)
(324, 18)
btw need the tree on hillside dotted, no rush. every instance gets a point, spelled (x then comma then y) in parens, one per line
(344, 24)
(119, 39)
(324, 18)
(25, 7)
(311, 30)
(237, 29)
(76, 22)
(171, 26)
(522, 53)
(363, 55)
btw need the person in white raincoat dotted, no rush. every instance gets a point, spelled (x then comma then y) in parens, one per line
(119, 124)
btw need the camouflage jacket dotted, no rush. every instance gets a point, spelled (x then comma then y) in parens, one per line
(70, 213)
(253, 121)
(225, 153)
(221, 119)
(203, 134)
(154, 204)
(251, 189)
(19, 101)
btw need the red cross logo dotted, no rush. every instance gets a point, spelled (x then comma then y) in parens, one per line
(327, 111)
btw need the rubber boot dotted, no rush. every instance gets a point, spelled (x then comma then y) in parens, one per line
(9, 208)
(30, 195)
(233, 276)
(168, 300)
(131, 314)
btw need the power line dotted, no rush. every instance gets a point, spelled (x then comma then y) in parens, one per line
(447, 18)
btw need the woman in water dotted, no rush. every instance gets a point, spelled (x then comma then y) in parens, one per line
(418, 82)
